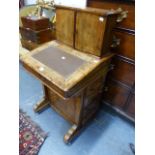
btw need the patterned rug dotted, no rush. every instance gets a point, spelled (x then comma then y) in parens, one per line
(31, 136)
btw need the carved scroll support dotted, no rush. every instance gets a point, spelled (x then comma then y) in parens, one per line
(123, 14)
(44, 103)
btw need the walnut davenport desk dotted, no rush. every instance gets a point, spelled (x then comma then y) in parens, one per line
(72, 82)
(72, 68)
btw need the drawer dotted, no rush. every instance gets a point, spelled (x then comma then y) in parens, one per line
(115, 94)
(122, 71)
(29, 44)
(36, 36)
(131, 106)
(35, 23)
(127, 45)
(129, 22)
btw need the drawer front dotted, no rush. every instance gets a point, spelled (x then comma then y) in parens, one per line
(36, 36)
(27, 34)
(89, 33)
(36, 25)
(127, 45)
(65, 26)
(129, 22)
(131, 106)
(115, 94)
(122, 71)
(29, 44)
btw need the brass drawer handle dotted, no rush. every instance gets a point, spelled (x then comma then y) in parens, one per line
(115, 42)
(122, 15)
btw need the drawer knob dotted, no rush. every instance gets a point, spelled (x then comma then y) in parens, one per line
(115, 42)
(112, 66)
(106, 89)
(122, 15)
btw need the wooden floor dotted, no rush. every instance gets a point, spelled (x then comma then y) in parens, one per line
(108, 134)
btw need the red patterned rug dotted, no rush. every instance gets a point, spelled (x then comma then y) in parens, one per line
(31, 136)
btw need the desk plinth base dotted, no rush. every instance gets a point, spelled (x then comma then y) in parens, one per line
(41, 105)
(78, 109)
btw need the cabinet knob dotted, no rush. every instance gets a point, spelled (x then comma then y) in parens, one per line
(122, 15)
(115, 42)
(105, 89)
(112, 66)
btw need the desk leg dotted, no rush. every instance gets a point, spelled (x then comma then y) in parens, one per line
(75, 129)
(71, 134)
(41, 105)
(44, 103)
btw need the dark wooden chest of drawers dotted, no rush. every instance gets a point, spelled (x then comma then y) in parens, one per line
(35, 31)
(118, 92)
(126, 5)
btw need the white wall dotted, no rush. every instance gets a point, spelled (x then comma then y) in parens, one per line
(28, 2)
(76, 3)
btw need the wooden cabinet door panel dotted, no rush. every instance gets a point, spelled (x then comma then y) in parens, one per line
(127, 45)
(68, 108)
(115, 94)
(129, 22)
(89, 32)
(65, 26)
(123, 71)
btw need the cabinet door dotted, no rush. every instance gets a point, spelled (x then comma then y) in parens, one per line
(89, 33)
(65, 26)
(69, 108)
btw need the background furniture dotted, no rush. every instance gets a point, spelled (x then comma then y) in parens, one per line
(33, 38)
(34, 34)
(119, 88)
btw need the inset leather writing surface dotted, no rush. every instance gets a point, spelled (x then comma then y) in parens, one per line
(58, 60)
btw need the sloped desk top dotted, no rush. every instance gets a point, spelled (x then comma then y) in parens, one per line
(61, 68)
